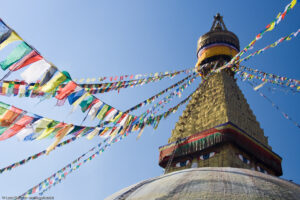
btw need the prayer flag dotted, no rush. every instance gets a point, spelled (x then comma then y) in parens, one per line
(60, 135)
(18, 53)
(66, 90)
(103, 111)
(93, 133)
(54, 82)
(94, 109)
(86, 103)
(48, 75)
(35, 71)
(30, 58)
(12, 38)
(110, 114)
(75, 95)
(10, 116)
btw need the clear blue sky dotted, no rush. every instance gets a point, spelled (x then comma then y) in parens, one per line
(99, 38)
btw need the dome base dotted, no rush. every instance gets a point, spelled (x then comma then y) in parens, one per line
(211, 183)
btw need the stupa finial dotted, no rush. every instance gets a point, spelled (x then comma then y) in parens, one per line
(218, 23)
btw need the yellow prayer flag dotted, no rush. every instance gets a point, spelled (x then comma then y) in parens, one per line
(293, 3)
(12, 38)
(46, 133)
(92, 134)
(61, 134)
(272, 26)
(4, 87)
(53, 83)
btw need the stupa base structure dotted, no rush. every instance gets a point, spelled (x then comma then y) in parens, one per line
(225, 145)
(211, 183)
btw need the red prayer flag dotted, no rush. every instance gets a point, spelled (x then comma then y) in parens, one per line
(66, 91)
(14, 129)
(30, 58)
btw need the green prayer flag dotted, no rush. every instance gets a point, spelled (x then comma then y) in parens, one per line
(18, 53)
(86, 103)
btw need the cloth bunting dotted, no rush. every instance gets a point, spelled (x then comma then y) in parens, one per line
(52, 180)
(286, 38)
(275, 78)
(156, 75)
(64, 132)
(268, 78)
(269, 27)
(151, 99)
(35, 156)
(18, 53)
(275, 106)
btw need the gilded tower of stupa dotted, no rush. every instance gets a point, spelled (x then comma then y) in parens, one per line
(218, 127)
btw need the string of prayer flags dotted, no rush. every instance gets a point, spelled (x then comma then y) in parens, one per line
(168, 98)
(272, 78)
(269, 27)
(156, 75)
(151, 99)
(61, 174)
(79, 96)
(50, 180)
(286, 38)
(41, 68)
(275, 106)
(292, 83)
(35, 156)
(62, 91)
